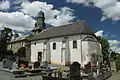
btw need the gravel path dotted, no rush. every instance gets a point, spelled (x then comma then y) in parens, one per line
(116, 76)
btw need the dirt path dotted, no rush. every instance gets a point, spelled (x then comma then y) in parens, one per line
(116, 76)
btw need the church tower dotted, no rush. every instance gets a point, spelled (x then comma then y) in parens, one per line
(40, 23)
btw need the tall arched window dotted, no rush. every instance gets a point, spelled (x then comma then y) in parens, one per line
(74, 44)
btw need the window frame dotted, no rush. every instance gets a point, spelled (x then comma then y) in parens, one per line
(75, 44)
(54, 46)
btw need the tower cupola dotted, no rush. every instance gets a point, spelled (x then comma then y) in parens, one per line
(40, 22)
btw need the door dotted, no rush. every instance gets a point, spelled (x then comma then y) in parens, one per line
(39, 56)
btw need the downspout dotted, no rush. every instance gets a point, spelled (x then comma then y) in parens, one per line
(48, 57)
(67, 52)
(81, 49)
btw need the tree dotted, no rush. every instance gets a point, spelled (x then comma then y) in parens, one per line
(113, 56)
(5, 36)
(8, 34)
(22, 51)
(105, 47)
(117, 60)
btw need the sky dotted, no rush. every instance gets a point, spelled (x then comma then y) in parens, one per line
(103, 16)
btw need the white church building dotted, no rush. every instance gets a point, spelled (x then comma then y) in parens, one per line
(64, 44)
(60, 45)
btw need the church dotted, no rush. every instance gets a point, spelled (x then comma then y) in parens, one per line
(62, 45)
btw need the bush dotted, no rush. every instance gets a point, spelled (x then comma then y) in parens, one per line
(118, 62)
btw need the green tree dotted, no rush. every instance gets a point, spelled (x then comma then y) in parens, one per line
(21, 52)
(113, 56)
(105, 47)
(5, 36)
(7, 32)
(117, 60)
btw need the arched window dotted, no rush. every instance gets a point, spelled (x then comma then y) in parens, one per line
(54, 45)
(89, 38)
(34, 43)
(74, 44)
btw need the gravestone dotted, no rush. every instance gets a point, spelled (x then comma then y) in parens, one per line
(7, 63)
(14, 66)
(113, 66)
(75, 71)
(31, 66)
(36, 64)
(1, 65)
(44, 65)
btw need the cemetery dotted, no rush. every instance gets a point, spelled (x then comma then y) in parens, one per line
(54, 54)
(48, 72)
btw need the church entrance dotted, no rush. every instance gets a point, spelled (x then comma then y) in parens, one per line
(39, 56)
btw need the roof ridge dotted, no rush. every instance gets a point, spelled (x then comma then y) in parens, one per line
(79, 27)
(79, 22)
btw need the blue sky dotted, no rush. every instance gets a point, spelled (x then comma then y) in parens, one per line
(103, 16)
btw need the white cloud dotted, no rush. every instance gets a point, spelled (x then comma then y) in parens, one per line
(16, 20)
(77, 1)
(99, 33)
(53, 16)
(110, 8)
(115, 45)
(4, 5)
(19, 1)
(22, 20)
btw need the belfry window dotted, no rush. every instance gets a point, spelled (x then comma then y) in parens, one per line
(74, 44)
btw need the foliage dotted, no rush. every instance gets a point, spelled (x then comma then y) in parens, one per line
(22, 51)
(115, 57)
(2, 57)
(5, 36)
(8, 34)
(105, 47)
(117, 60)
(9, 52)
(108, 53)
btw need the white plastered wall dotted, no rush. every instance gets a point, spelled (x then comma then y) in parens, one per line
(72, 54)
(56, 53)
(75, 53)
(36, 46)
(89, 48)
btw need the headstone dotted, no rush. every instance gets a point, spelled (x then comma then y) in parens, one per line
(1, 65)
(36, 65)
(44, 65)
(75, 71)
(7, 63)
(98, 68)
(31, 66)
(4, 63)
(14, 66)
(113, 66)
